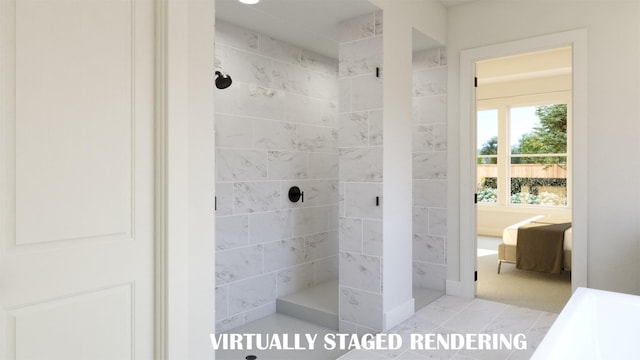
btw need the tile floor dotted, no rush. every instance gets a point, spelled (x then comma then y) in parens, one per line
(447, 314)
(450, 314)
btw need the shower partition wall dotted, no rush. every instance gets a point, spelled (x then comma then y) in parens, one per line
(360, 175)
(429, 169)
(276, 128)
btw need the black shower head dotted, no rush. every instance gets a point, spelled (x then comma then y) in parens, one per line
(222, 81)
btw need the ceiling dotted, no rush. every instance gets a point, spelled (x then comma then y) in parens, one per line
(311, 24)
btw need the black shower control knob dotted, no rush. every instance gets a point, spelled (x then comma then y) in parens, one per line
(295, 194)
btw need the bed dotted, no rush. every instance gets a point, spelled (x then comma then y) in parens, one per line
(507, 250)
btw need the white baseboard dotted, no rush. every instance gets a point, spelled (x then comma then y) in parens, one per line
(455, 288)
(399, 314)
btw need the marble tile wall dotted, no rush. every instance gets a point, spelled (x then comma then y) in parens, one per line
(276, 127)
(429, 169)
(360, 174)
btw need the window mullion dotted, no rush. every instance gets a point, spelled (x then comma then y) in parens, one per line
(503, 156)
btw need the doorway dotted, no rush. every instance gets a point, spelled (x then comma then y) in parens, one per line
(576, 40)
(523, 167)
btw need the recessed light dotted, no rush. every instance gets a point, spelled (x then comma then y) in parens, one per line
(249, 2)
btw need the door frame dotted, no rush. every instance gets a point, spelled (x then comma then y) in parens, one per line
(184, 180)
(577, 39)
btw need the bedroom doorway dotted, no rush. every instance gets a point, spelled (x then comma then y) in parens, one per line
(523, 166)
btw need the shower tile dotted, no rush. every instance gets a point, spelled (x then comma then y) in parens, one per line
(217, 55)
(372, 237)
(247, 67)
(238, 37)
(326, 269)
(274, 135)
(360, 164)
(311, 191)
(350, 234)
(280, 50)
(423, 138)
(431, 109)
(237, 264)
(287, 165)
(347, 327)
(361, 307)
(443, 56)
(360, 200)
(226, 100)
(252, 293)
(270, 226)
(438, 222)
(233, 164)
(229, 323)
(291, 78)
(430, 193)
(320, 63)
(310, 220)
(429, 276)
(233, 131)
(375, 128)
(427, 248)
(430, 82)
(332, 212)
(360, 57)
(295, 279)
(222, 298)
(224, 199)
(321, 245)
(252, 197)
(379, 22)
(357, 28)
(283, 254)
(365, 93)
(361, 272)
(324, 86)
(260, 312)
(323, 112)
(440, 137)
(312, 111)
(426, 59)
(314, 138)
(328, 192)
(344, 95)
(296, 108)
(420, 219)
(334, 139)
(323, 165)
(232, 232)
(341, 202)
(430, 165)
(260, 102)
(353, 129)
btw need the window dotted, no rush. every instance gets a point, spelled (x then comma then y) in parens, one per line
(522, 155)
(487, 169)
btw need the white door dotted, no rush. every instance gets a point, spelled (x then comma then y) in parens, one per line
(76, 179)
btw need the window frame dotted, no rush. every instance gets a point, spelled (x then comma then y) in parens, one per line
(503, 106)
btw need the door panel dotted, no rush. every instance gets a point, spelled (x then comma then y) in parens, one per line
(76, 183)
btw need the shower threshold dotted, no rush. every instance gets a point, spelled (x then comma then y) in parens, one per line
(317, 304)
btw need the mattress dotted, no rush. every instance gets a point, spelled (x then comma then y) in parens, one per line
(510, 234)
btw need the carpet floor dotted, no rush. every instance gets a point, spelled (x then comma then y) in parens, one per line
(546, 292)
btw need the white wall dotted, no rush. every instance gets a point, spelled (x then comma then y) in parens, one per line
(613, 116)
(399, 20)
